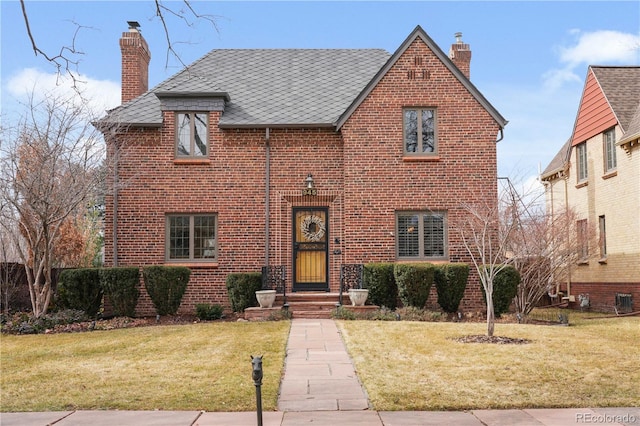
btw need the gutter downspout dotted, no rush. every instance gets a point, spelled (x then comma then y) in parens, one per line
(267, 180)
(115, 203)
(501, 134)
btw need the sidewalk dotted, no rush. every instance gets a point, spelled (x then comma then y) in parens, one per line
(320, 387)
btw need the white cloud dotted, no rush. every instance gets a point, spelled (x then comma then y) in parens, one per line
(603, 47)
(100, 94)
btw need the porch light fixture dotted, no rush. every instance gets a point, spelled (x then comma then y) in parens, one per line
(309, 188)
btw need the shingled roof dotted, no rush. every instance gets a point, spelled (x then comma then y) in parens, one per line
(621, 87)
(280, 87)
(266, 87)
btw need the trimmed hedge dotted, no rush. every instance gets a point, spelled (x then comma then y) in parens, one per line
(505, 288)
(121, 286)
(451, 281)
(379, 279)
(242, 289)
(414, 282)
(166, 286)
(80, 289)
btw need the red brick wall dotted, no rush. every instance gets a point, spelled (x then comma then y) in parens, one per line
(360, 174)
(465, 170)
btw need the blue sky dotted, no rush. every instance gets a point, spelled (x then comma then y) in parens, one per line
(529, 58)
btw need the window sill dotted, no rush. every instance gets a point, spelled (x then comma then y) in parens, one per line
(582, 184)
(602, 261)
(421, 158)
(582, 262)
(193, 265)
(611, 174)
(185, 161)
(430, 260)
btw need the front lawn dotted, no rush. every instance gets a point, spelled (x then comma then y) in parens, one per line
(420, 366)
(204, 366)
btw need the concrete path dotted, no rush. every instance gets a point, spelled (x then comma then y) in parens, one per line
(319, 374)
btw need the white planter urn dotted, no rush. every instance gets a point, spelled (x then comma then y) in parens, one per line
(358, 296)
(266, 298)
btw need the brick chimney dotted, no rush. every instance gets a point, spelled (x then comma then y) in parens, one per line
(135, 63)
(460, 54)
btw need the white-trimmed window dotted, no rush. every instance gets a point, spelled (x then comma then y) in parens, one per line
(421, 235)
(581, 161)
(191, 134)
(610, 161)
(191, 238)
(420, 133)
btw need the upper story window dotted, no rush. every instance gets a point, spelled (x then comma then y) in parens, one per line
(581, 161)
(191, 134)
(610, 161)
(421, 235)
(191, 238)
(583, 239)
(420, 136)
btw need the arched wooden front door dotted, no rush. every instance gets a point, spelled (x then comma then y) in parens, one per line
(310, 249)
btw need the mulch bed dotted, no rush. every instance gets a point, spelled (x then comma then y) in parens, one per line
(497, 340)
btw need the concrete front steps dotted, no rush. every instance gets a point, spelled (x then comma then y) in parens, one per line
(314, 305)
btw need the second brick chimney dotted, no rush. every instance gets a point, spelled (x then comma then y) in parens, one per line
(135, 63)
(460, 54)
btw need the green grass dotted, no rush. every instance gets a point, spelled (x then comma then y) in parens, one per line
(184, 367)
(419, 366)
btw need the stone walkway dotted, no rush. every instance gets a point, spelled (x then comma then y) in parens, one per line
(319, 374)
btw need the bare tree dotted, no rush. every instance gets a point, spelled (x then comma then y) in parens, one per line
(485, 237)
(67, 58)
(545, 249)
(51, 166)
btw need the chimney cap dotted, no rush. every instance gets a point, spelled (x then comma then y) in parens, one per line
(458, 37)
(133, 25)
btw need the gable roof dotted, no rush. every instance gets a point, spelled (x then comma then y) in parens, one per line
(558, 163)
(418, 32)
(282, 87)
(610, 96)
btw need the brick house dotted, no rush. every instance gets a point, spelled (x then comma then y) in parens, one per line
(597, 174)
(304, 158)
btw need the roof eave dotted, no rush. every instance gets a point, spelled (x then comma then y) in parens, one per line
(166, 94)
(276, 125)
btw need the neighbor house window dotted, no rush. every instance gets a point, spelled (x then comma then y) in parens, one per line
(603, 236)
(610, 161)
(583, 239)
(192, 238)
(581, 154)
(420, 131)
(191, 134)
(421, 235)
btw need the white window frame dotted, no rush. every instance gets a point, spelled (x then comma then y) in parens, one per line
(581, 162)
(609, 145)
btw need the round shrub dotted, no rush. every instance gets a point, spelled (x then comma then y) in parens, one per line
(414, 282)
(80, 289)
(505, 287)
(242, 288)
(379, 279)
(207, 312)
(451, 281)
(166, 286)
